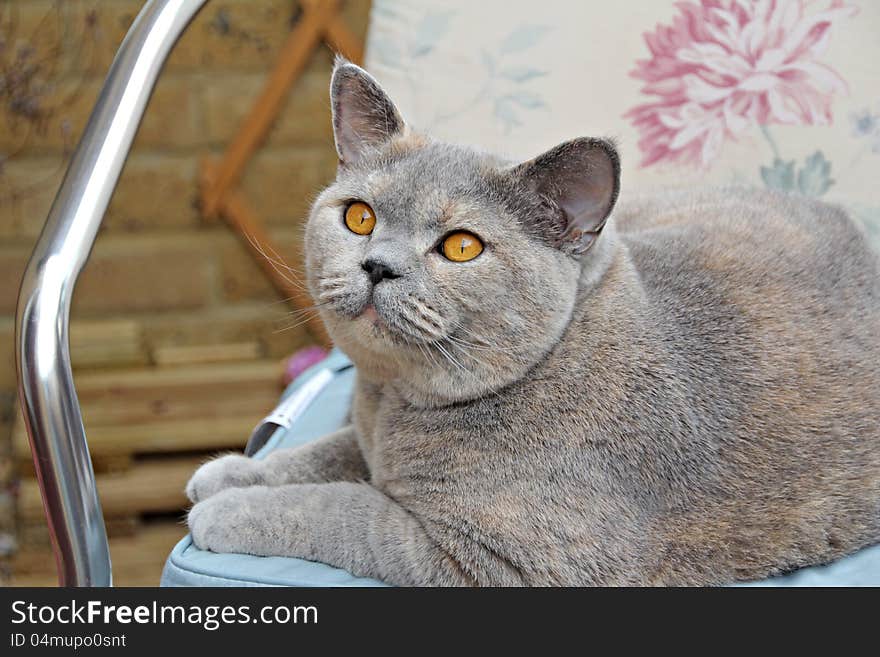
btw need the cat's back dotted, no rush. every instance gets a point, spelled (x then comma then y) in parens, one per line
(769, 307)
(788, 283)
(769, 251)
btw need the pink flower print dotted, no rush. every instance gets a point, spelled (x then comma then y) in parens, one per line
(724, 66)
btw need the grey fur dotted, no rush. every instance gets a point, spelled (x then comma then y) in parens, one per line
(694, 400)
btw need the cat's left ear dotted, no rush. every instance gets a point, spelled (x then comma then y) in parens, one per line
(580, 179)
(364, 117)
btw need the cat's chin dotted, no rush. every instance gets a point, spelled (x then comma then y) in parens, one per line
(376, 329)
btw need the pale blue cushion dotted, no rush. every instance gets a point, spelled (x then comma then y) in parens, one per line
(859, 569)
(190, 566)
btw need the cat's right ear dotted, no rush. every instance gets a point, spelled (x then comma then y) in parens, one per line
(364, 118)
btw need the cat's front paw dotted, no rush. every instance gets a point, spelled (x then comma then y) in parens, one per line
(219, 523)
(238, 520)
(231, 471)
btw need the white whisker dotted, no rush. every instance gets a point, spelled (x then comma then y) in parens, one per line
(277, 265)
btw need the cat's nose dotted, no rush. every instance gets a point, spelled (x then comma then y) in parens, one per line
(378, 270)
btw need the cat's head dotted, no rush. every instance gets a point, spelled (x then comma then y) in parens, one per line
(443, 268)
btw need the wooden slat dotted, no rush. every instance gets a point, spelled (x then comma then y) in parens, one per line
(196, 378)
(247, 404)
(206, 353)
(106, 342)
(149, 487)
(125, 440)
(156, 410)
(117, 330)
(109, 354)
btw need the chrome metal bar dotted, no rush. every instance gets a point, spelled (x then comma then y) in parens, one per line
(46, 392)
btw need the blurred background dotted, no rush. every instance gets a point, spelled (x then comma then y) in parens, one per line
(179, 328)
(177, 335)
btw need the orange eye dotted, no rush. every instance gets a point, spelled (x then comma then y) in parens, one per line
(462, 246)
(359, 218)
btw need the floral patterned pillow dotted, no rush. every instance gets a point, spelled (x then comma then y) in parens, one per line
(774, 93)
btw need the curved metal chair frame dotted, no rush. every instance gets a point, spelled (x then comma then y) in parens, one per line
(47, 394)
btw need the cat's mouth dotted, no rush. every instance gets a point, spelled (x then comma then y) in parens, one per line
(379, 328)
(369, 320)
(392, 321)
(381, 314)
(384, 325)
(370, 314)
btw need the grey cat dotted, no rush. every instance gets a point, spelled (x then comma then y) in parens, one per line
(686, 394)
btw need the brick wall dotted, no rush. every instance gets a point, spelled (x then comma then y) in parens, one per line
(155, 262)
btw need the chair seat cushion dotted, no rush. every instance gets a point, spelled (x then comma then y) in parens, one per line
(325, 396)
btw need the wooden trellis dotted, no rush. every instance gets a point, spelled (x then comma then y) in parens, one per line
(320, 23)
